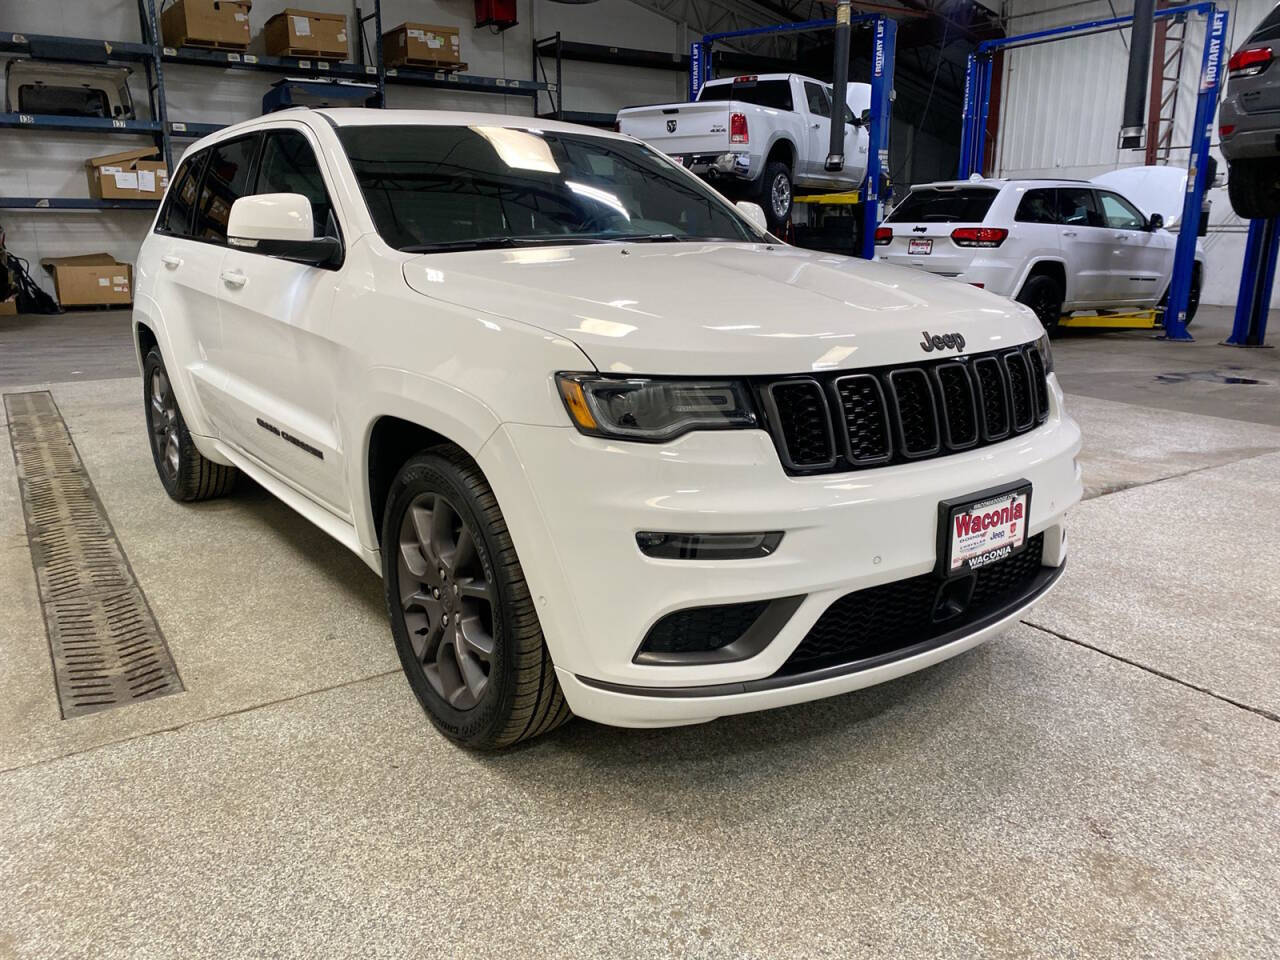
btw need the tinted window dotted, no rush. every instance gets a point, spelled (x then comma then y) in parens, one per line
(465, 187)
(180, 200)
(819, 102)
(1076, 207)
(226, 180)
(1268, 29)
(62, 101)
(947, 205)
(289, 165)
(1037, 206)
(1120, 213)
(764, 93)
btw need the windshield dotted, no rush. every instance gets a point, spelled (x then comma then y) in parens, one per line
(931, 205)
(438, 188)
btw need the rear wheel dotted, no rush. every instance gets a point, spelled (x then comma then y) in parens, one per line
(775, 195)
(1254, 188)
(184, 471)
(1043, 295)
(464, 623)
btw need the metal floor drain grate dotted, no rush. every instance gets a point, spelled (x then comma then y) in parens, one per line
(107, 648)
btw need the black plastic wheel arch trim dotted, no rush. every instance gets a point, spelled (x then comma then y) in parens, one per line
(1044, 579)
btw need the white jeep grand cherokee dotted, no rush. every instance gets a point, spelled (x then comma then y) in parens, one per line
(1059, 246)
(614, 451)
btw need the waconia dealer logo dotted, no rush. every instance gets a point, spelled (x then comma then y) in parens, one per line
(1010, 514)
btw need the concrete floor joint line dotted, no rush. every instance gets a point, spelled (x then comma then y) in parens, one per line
(1260, 711)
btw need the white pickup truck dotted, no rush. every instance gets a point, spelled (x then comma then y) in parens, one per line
(759, 137)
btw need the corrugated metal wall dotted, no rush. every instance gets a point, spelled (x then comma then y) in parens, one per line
(1060, 113)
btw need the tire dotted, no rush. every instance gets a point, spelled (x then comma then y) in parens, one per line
(187, 475)
(1193, 295)
(776, 194)
(1044, 296)
(465, 627)
(1254, 188)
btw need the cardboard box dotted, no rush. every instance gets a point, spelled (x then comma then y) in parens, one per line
(9, 308)
(127, 175)
(306, 33)
(90, 280)
(421, 44)
(207, 23)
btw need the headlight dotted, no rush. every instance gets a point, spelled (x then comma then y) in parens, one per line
(653, 411)
(1046, 354)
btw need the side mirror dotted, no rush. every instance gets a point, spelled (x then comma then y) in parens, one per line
(754, 213)
(1155, 222)
(280, 225)
(865, 117)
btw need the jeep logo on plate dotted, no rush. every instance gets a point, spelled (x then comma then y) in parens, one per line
(947, 341)
(671, 126)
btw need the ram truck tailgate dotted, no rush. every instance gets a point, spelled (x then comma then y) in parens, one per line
(681, 129)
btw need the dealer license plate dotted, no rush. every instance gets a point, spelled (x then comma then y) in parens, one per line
(921, 247)
(981, 532)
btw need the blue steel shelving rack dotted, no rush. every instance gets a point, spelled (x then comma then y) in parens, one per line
(977, 104)
(884, 45)
(163, 130)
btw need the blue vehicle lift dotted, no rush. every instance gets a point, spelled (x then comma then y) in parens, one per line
(977, 104)
(1256, 280)
(884, 41)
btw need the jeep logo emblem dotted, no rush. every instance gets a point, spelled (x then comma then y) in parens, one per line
(671, 126)
(919, 229)
(947, 341)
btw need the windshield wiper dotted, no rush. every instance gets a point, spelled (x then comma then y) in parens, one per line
(495, 243)
(666, 238)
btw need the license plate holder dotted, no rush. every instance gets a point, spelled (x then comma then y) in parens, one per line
(919, 247)
(982, 528)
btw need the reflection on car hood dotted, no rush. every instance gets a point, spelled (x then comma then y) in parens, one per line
(722, 308)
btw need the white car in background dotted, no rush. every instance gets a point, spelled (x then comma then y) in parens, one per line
(1058, 246)
(613, 449)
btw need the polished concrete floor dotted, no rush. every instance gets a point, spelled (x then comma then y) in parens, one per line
(1102, 781)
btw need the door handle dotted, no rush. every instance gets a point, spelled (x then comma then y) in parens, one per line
(1121, 236)
(234, 278)
(1068, 233)
(170, 260)
(816, 126)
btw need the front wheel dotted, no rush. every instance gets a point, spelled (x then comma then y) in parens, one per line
(1044, 296)
(184, 471)
(465, 626)
(775, 195)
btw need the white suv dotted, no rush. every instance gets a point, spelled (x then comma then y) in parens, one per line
(1058, 246)
(613, 449)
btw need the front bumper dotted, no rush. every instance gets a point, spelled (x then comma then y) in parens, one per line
(574, 504)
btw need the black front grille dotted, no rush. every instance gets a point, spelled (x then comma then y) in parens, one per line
(836, 422)
(798, 408)
(895, 616)
(864, 419)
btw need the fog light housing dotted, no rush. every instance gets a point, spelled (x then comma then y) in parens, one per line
(707, 546)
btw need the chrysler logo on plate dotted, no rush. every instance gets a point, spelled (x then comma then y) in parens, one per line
(671, 126)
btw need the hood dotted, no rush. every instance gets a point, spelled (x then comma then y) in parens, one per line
(722, 309)
(1152, 189)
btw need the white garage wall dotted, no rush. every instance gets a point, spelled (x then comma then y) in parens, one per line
(44, 163)
(1062, 104)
